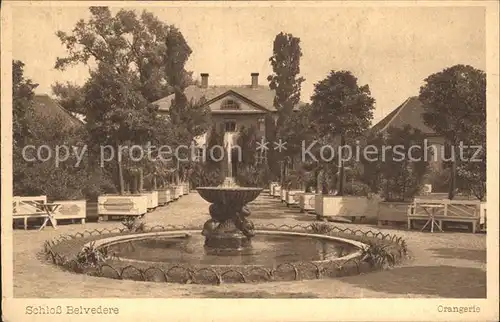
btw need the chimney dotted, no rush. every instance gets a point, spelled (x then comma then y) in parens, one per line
(255, 80)
(204, 80)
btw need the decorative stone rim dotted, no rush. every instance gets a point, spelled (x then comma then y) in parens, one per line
(100, 243)
(196, 274)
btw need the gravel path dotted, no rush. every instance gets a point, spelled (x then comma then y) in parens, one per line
(449, 265)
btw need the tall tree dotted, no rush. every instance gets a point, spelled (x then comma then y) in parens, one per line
(455, 103)
(177, 54)
(285, 81)
(131, 53)
(22, 100)
(341, 109)
(117, 115)
(128, 42)
(188, 119)
(22, 106)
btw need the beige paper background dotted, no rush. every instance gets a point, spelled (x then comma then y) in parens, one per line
(259, 309)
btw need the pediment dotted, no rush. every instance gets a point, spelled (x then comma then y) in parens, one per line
(232, 103)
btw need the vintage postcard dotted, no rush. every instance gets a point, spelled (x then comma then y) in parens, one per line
(253, 161)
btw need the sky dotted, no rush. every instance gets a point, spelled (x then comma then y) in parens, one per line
(392, 49)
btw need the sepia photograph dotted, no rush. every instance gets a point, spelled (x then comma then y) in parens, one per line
(159, 152)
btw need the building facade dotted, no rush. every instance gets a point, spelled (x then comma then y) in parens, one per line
(232, 107)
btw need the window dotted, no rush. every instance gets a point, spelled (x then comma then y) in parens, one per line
(198, 155)
(230, 105)
(230, 126)
(261, 156)
(262, 125)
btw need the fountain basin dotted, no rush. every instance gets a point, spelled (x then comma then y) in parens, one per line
(268, 249)
(268, 259)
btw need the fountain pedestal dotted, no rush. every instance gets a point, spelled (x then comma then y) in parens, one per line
(229, 227)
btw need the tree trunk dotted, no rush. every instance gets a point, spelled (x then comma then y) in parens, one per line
(453, 170)
(141, 180)
(453, 179)
(121, 185)
(341, 169)
(127, 184)
(154, 183)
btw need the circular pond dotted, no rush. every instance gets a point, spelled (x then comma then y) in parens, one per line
(265, 250)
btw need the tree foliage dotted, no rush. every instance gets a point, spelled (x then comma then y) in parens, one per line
(454, 100)
(341, 109)
(67, 180)
(249, 173)
(399, 170)
(247, 141)
(286, 83)
(70, 96)
(22, 100)
(127, 43)
(211, 171)
(133, 58)
(341, 106)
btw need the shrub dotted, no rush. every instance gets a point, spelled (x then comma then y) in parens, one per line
(400, 179)
(378, 255)
(205, 175)
(251, 176)
(134, 224)
(68, 180)
(439, 179)
(356, 189)
(90, 256)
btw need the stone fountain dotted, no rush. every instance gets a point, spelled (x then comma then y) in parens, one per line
(229, 227)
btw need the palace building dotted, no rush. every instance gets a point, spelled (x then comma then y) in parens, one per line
(232, 106)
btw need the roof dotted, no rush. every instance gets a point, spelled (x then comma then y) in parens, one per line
(45, 106)
(261, 95)
(409, 113)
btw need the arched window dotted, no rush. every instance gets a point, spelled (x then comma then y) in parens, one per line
(230, 104)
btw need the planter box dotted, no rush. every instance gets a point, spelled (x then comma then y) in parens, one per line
(178, 191)
(126, 205)
(185, 188)
(91, 211)
(482, 218)
(173, 196)
(152, 199)
(163, 196)
(340, 206)
(276, 191)
(71, 209)
(392, 212)
(306, 201)
(283, 195)
(271, 187)
(292, 197)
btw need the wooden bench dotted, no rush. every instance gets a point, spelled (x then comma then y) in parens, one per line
(435, 212)
(33, 207)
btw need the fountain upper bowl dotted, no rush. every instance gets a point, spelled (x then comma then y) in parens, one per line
(233, 195)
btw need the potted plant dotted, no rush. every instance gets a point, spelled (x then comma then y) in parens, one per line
(294, 183)
(306, 198)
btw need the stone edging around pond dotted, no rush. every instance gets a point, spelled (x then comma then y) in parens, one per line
(383, 250)
(105, 242)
